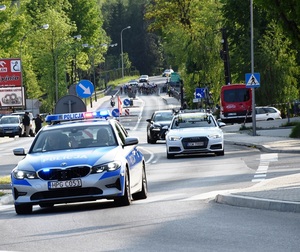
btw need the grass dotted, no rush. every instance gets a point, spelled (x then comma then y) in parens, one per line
(4, 180)
(118, 82)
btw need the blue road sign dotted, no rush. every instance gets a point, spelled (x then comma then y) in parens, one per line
(115, 112)
(252, 80)
(200, 93)
(126, 102)
(84, 88)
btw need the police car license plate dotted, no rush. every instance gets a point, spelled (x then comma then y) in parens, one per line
(64, 184)
(9, 131)
(195, 144)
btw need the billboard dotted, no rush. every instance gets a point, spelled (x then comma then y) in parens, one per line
(10, 73)
(11, 97)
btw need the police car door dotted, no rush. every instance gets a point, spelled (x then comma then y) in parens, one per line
(134, 159)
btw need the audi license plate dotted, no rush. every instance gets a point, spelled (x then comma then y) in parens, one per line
(64, 184)
(195, 144)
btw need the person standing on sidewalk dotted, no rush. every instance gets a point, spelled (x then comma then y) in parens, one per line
(26, 123)
(38, 123)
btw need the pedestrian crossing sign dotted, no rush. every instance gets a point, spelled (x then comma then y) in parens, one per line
(252, 80)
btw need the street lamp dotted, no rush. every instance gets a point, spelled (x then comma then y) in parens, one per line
(128, 27)
(44, 27)
(76, 37)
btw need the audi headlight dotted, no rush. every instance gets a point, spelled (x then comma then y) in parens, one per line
(112, 166)
(174, 138)
(215, 136)
(23, 174)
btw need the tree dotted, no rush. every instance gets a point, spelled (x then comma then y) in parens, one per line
(191, 37)
(278, 68)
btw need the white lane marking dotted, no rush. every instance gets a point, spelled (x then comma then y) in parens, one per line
(140, 115)
(151, 155)
(261, 172)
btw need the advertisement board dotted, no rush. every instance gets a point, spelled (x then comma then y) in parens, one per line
(11, 97)
(10, 73)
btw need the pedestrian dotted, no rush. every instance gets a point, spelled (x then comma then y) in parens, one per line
(38, 123)
(26, 124)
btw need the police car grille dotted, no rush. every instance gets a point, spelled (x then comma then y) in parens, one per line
(194, 143)
(67, 192)
(64, 174)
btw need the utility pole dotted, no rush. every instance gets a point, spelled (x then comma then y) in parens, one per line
(224, 53)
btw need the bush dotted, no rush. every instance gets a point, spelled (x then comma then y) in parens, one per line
(295, 131)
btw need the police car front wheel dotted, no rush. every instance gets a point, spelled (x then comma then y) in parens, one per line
(125, 200)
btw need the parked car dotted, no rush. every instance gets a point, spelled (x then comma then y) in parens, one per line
(158, 125)
(11, 125)
(167, 73)
(144, 78)
(267, 113)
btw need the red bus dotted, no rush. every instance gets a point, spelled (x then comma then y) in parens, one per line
(236, 103)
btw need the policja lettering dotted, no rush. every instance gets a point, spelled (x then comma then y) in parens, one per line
(73, 116)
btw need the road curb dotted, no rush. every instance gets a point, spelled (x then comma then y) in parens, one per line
(261, 147)
(258, 203)
(5, 187)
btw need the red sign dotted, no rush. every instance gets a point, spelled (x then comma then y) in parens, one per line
(10, 73)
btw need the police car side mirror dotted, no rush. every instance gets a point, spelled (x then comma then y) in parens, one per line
(131, 141)
(19, 152)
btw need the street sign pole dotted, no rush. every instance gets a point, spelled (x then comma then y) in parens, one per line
(252, 71)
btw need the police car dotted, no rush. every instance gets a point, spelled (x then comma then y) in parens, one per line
(194, 132)
(79, 157)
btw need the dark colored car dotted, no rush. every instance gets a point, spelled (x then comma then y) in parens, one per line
(11, 125)
(158, 125)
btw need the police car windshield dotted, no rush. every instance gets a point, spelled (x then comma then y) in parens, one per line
(74, 137)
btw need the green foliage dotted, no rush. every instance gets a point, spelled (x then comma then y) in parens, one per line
(287, 15)
(191, 39)
(278, 67)
(182, 34)
(295, 131)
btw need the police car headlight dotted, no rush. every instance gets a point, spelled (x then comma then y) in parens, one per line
(22, 174)
(174, 138)
(112, 166)
(215, 136)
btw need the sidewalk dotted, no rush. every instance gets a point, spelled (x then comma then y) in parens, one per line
(281, 194)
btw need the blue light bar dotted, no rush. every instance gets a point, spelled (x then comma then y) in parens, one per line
(78, 116)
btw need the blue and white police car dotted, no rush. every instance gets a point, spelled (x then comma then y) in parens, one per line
(79, 157)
